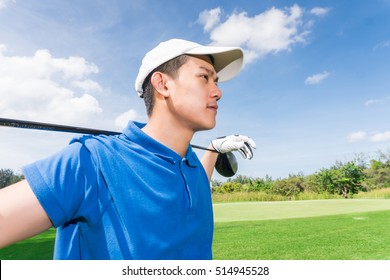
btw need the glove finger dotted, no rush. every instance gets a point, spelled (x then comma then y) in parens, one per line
(251, 143)
(245, 139)
(250, 152)
(247, 150)
(243, 153)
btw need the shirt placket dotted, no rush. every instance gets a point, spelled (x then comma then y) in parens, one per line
(183, 166)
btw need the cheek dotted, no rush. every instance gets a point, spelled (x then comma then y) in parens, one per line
(192, 96)
(189, 105)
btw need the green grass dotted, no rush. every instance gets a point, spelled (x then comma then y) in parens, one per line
(354, 229)
(363, 236)
(39, 247)
(380, 193)
(265, 196)
(300, 230)
(250, 211)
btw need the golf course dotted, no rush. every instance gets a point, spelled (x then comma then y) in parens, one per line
(334, 229)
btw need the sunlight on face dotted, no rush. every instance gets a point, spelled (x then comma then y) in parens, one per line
(195, 94)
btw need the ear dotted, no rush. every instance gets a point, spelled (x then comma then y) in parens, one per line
(159, 83)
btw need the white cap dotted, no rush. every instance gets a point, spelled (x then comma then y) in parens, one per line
(227, 60)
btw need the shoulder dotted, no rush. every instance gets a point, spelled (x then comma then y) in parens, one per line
(97, 144)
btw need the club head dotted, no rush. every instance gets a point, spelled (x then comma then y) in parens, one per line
(226, 164)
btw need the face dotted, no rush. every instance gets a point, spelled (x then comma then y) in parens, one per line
(194, 94)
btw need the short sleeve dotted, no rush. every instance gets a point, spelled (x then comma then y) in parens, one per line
(65, 184)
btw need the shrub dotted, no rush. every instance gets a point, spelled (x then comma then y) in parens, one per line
(378, 175)
(288, 187)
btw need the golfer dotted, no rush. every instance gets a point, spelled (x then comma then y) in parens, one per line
(143, 194)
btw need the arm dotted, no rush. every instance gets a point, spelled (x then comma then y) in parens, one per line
(208, 161)
(21, 214)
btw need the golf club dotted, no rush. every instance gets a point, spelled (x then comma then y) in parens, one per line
(226, 164)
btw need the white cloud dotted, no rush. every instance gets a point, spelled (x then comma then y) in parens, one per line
(270, 32)
(373, 137)
(373, 101)
(209, 18)
(3, 47)
(357, 136)
(381, 45)
(41, 87)
(319, 11)
(122, 120)
(380, 137)
(3, 4)
(376, 101)
(316, 78)
(88, 85)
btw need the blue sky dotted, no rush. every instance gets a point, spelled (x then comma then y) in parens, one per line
(314, 89)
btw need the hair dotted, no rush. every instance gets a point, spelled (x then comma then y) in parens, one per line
(170, 68)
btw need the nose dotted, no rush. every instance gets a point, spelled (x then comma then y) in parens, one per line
(216, 92)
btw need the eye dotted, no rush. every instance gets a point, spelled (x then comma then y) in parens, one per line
(206, 77)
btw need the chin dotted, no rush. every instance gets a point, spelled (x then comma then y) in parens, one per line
(206, 126)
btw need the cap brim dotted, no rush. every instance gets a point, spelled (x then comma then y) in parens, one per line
(228, 61)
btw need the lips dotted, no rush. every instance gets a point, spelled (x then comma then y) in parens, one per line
(213, 107)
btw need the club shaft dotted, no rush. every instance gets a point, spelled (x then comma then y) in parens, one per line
(66, 128)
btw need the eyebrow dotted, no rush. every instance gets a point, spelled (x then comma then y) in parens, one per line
(210, 72)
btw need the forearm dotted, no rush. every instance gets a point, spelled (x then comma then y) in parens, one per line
(208, 161)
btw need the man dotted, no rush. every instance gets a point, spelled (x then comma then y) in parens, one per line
(143, 194)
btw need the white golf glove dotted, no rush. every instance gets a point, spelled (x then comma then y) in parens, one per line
(241, 143)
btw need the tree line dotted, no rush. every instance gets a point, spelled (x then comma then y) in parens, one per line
(9, 177)
(342, 178)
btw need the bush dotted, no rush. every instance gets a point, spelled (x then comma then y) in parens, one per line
(259, 184)
(378, 175)
(228, 187)
(289, 187)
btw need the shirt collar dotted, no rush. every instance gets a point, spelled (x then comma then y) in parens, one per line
(134, 132)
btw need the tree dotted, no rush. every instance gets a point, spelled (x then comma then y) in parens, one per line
(290, 186)
(351, 179)
(343, 179)
(8, 177)
(259, 184)
(378, 175)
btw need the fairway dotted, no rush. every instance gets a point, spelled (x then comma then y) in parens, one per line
(253, 211)
(303, 230)
(357, 236)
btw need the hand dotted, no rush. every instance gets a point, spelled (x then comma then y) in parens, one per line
(241, 143)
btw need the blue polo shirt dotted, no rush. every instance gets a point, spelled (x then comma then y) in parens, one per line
(125, 197)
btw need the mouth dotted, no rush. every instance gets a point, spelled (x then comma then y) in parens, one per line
(213, 107)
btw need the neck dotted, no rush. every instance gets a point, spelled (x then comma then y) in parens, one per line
(167, 133)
